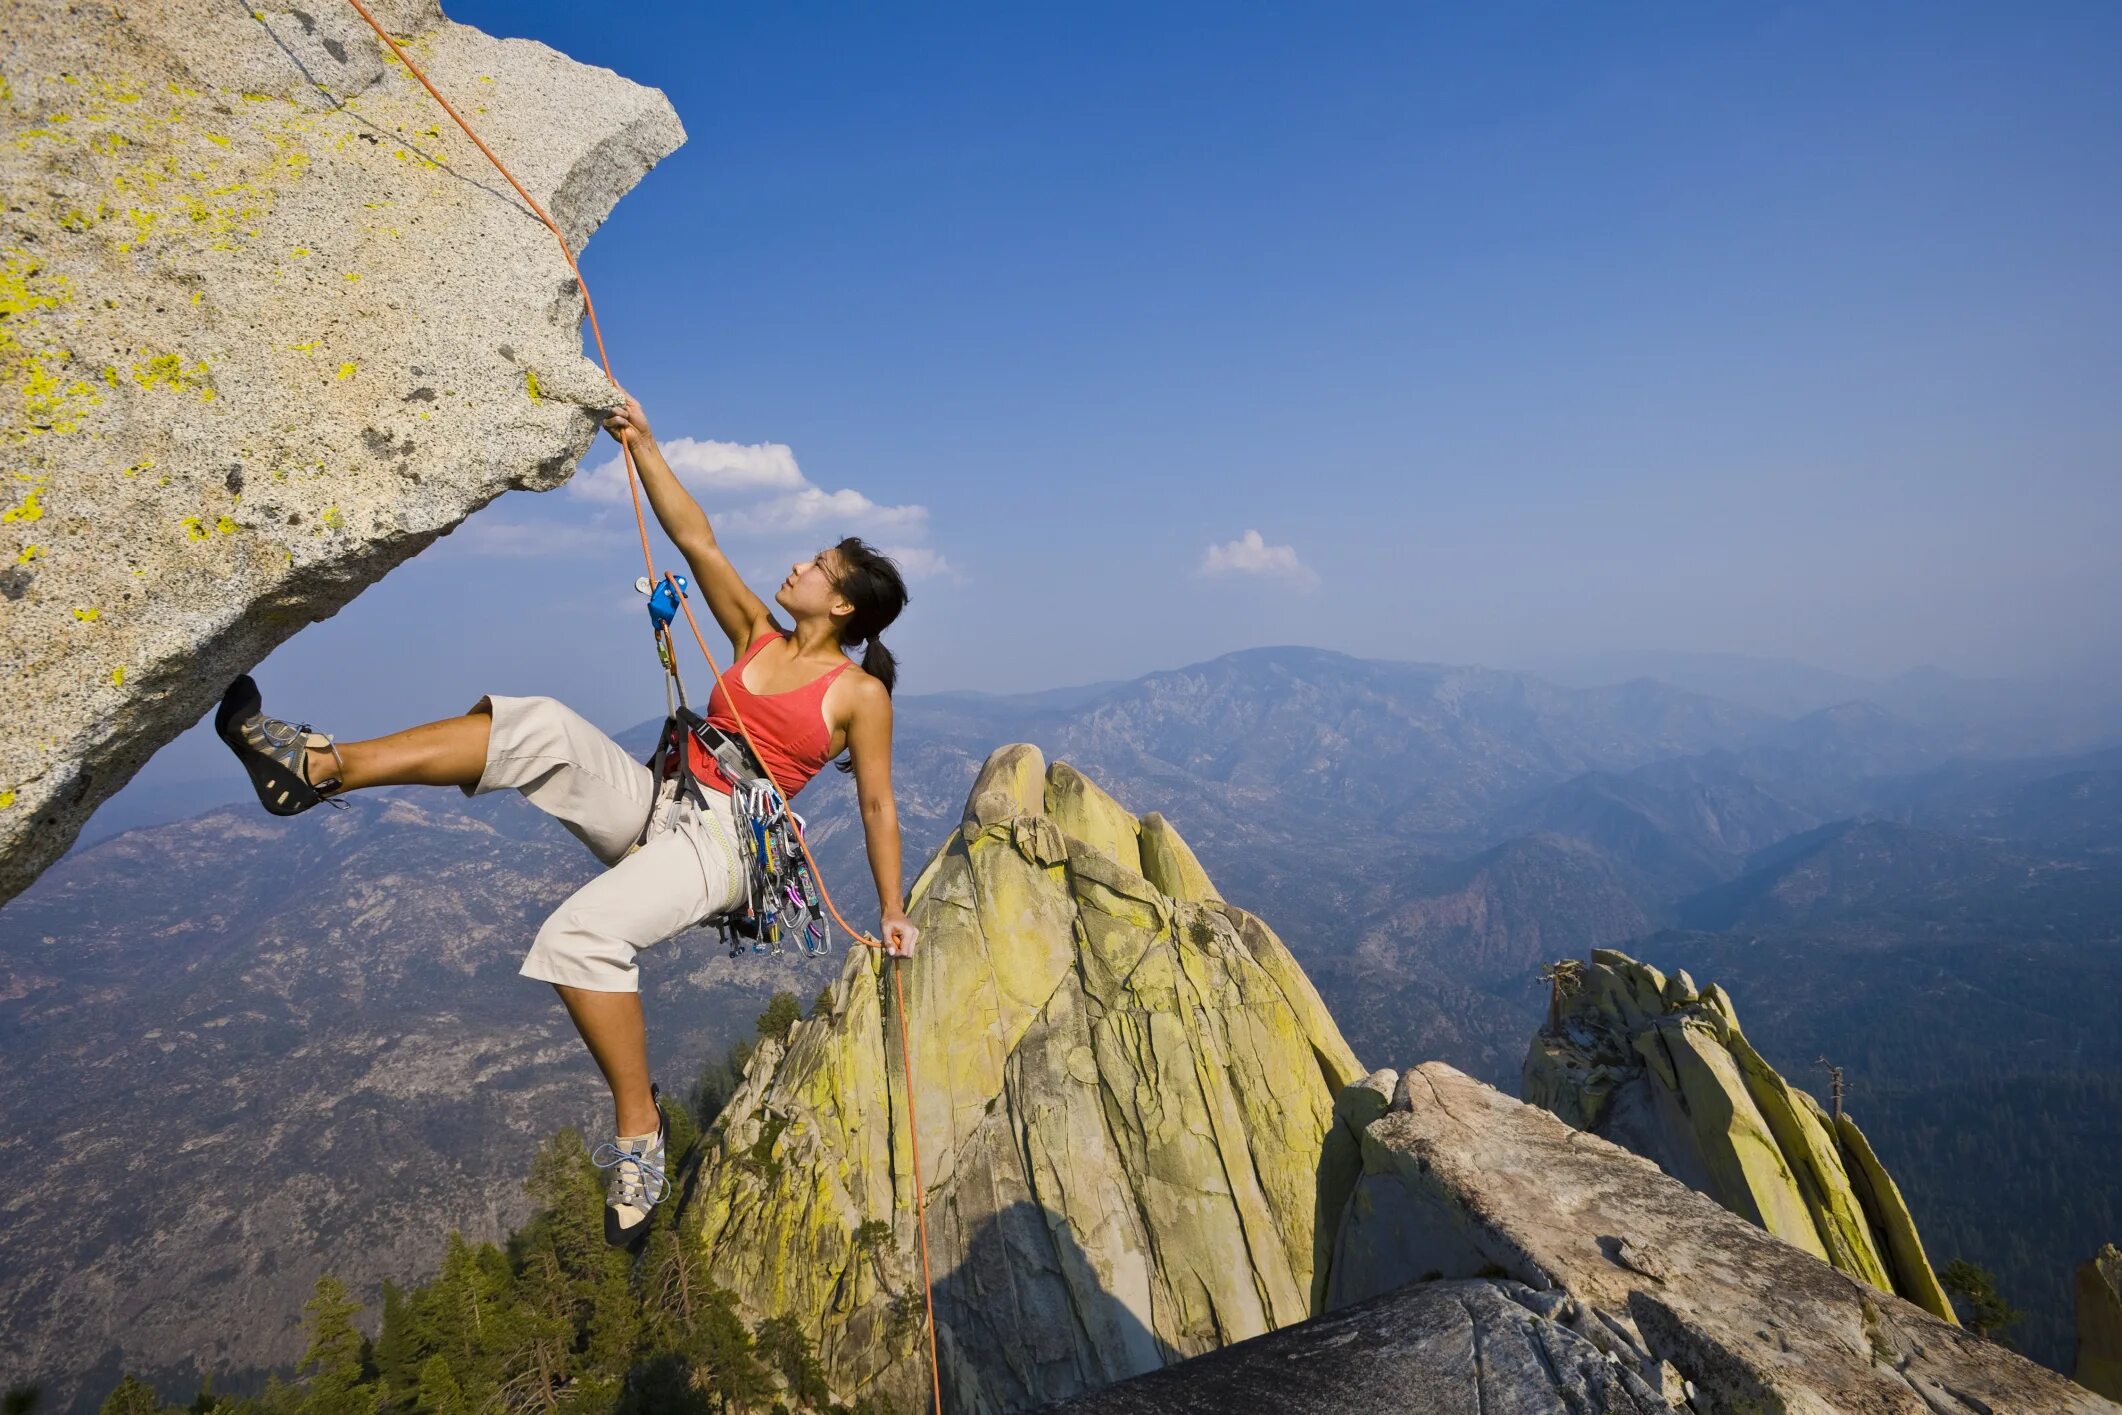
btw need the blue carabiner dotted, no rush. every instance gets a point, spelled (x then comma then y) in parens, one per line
(663, 603)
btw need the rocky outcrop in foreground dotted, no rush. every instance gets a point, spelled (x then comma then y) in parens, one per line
(1660, 1067)
(2099, 1294)
(1594, 1246)
(1434, 1348)
(269, 325)
(1123, 1086)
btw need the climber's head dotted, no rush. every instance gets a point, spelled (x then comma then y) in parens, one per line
(859, 590)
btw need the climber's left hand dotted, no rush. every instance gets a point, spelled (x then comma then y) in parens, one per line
(900, 937)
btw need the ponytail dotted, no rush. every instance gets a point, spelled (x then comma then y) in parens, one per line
(878, 663)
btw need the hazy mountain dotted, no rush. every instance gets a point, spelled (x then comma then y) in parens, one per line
(1976, 716)
(1677, 825)
(2062, 803)
(1854, 868)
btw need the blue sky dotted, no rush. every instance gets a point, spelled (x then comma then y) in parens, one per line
(1509, 332)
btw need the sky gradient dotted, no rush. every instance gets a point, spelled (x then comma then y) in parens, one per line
(1483, 334)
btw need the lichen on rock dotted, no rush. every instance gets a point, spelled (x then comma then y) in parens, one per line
(269, 325)
(1661, 1067)
(1123, 1087)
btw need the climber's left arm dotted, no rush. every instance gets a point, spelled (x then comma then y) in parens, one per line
(869, 741)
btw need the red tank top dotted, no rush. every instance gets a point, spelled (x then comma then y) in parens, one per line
(788, 729)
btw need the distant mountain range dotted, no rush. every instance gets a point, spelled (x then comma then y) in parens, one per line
(1997, 716)
(310, 1034)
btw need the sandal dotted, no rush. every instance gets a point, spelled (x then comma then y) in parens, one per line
(274, 753)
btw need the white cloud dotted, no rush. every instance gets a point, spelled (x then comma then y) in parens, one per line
(756, 490)
(812, 507)
(1251, 555)
(918, 562)
(707, 468)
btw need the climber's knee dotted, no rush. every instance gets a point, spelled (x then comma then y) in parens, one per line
(575, 949)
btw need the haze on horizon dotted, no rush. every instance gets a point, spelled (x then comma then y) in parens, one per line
(1521, 336)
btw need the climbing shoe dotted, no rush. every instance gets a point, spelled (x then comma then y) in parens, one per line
(275, 753)
(637, 1184)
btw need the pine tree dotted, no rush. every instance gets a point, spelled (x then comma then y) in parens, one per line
(783, 1346)
(131, 1396)
(538, 1354)
(692, 1330)
(1974, 1290)
(436, 1388)
(333, 1361)
(399, 1349)
(782, 1013)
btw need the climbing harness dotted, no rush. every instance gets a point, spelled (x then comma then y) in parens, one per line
(782, 900)
(673, 685)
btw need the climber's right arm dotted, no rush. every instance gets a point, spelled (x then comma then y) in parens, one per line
(742, 614)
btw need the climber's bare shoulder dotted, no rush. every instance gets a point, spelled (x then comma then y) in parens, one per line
(859, 711)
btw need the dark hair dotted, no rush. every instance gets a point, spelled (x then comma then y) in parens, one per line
(870, 582)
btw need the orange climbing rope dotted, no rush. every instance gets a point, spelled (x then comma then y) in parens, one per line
(633, 482)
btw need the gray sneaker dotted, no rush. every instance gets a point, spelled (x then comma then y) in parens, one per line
(638, 1182)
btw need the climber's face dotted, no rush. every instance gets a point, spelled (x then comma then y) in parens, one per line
(812, 589)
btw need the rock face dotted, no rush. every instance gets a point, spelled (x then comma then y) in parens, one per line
(1660, 1067)
(270, 324)
(1459, 1180)
(1429, 1348)
(1123, 1085)
(2099, 1293)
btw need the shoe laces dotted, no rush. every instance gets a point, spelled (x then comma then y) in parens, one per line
(640, 1182)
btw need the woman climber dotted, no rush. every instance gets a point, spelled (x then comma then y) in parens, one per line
(670, 838)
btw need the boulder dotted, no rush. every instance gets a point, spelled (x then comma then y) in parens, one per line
(1433, 1347)
(1461, 1181)
(1122, 1095)
(1662, 1068)
(270, 325)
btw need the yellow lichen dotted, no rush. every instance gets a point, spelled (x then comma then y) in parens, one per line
(29, 553)
(30, 508)
(193, 527)
(168, 371)
(332, 518)
(346, 370)
(7, 798)
(118, 676)
(225, 526)
(88, 616)
(530, 386)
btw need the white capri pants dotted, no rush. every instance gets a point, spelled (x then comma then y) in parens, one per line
(690, 869)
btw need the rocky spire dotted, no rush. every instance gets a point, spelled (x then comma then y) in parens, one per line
(1123, 1086)
(1659, 1066)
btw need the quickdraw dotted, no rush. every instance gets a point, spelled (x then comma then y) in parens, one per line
(782, 902)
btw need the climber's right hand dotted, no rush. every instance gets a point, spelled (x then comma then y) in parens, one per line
(627, 422)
